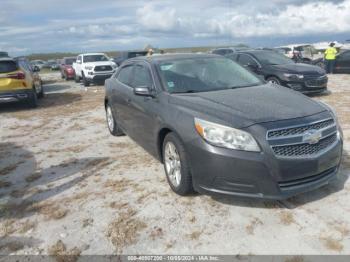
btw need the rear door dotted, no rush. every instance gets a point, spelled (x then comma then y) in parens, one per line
(249, 63)
(342, 64)
(121, 91)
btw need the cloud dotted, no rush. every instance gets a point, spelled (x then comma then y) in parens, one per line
(80, 25)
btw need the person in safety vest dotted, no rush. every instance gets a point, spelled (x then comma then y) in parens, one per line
(329, 56)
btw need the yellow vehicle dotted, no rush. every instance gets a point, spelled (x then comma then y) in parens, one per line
(19, 82)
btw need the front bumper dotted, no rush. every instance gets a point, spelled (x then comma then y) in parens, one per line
(309, 85)
(98, 77)
(260, 175)
(15, 95)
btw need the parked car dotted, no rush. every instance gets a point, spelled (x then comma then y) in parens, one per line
(38, 64)
(93, 68)
(67, 71)
(19, 82)
(3, 54)
(280, 70)
(227, 50)
(218, 128)
(52, 65)
(342, 62)
(126, 55)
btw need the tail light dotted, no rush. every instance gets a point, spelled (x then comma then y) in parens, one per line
(18, 75)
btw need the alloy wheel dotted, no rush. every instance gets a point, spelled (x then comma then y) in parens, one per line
(172, 164)
(110, 120)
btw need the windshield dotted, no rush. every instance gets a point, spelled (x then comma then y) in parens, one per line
(95, 58)
(272, 58)
(204, 74)
(70, 61)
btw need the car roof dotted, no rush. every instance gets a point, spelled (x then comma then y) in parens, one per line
(93, 54)
(171, 57)
(254, 51)
(7, 59)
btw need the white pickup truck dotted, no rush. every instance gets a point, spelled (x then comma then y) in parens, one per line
(93, 68)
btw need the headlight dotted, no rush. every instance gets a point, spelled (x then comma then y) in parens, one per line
(224, 136)
(88, 67)
(294, 76)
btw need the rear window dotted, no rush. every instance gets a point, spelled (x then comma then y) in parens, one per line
(7, 66)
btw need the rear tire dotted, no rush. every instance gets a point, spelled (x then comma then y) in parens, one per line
(273, 80)
(175, 160)
(112, 124)
(77, 79)
(33, 99)
(41, 93)
(85, 81)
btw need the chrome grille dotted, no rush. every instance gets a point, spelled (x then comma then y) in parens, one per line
(300, 129)
(103, 68)
(304, 149)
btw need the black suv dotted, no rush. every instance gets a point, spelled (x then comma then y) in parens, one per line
(278, 69)
(126, 55)
(219, 129)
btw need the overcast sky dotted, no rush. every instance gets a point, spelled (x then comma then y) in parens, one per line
(33, 26)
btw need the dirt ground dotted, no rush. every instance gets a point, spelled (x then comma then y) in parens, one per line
(68, 187)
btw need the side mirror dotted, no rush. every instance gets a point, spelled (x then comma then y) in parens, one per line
(252, 67)
(143, 91)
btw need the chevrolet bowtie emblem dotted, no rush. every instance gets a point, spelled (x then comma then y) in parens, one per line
(312, 136)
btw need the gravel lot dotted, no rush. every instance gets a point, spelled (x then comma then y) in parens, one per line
(68, 187)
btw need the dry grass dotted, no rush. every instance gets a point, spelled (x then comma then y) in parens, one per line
(250, 228)
(12, 246)
(195, 235)
(4, 184)
(61, 254)
(6, 170)
(124, 230)
(156, 233)
(295, 259)
(332, 244)
(27, 226)
(87, 222)
(33, 177)
(286, 218)
(8, 227)
(119, 185)
(50, 210)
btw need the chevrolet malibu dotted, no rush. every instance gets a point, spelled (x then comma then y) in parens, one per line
(219, 129)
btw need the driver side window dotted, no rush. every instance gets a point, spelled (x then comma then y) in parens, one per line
(246, 60)
(142, 77)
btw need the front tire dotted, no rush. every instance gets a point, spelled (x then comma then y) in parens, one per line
(112, 124)
(41, 93)
(273, 80)
(77, 79)
(85, 81)
(176, 165)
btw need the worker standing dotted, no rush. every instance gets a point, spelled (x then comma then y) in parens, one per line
(329, 56)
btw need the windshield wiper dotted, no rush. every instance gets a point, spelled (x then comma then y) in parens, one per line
(234, 87)
(184, 92)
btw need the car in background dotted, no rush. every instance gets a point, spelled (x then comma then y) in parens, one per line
(280, 70)
(19, 82)
(126, 55)
(227, 50)
(342, 62)
(52, 65)
(3, 54)
(93, 68)
(66, 67)
(218, 129)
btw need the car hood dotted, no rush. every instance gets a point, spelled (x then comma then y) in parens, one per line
(299, 68)
(101, 63)
(243, 107)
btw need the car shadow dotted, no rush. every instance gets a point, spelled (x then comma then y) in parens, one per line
(23, 187)
(57, 87)
(49, 100)
(334, 186)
